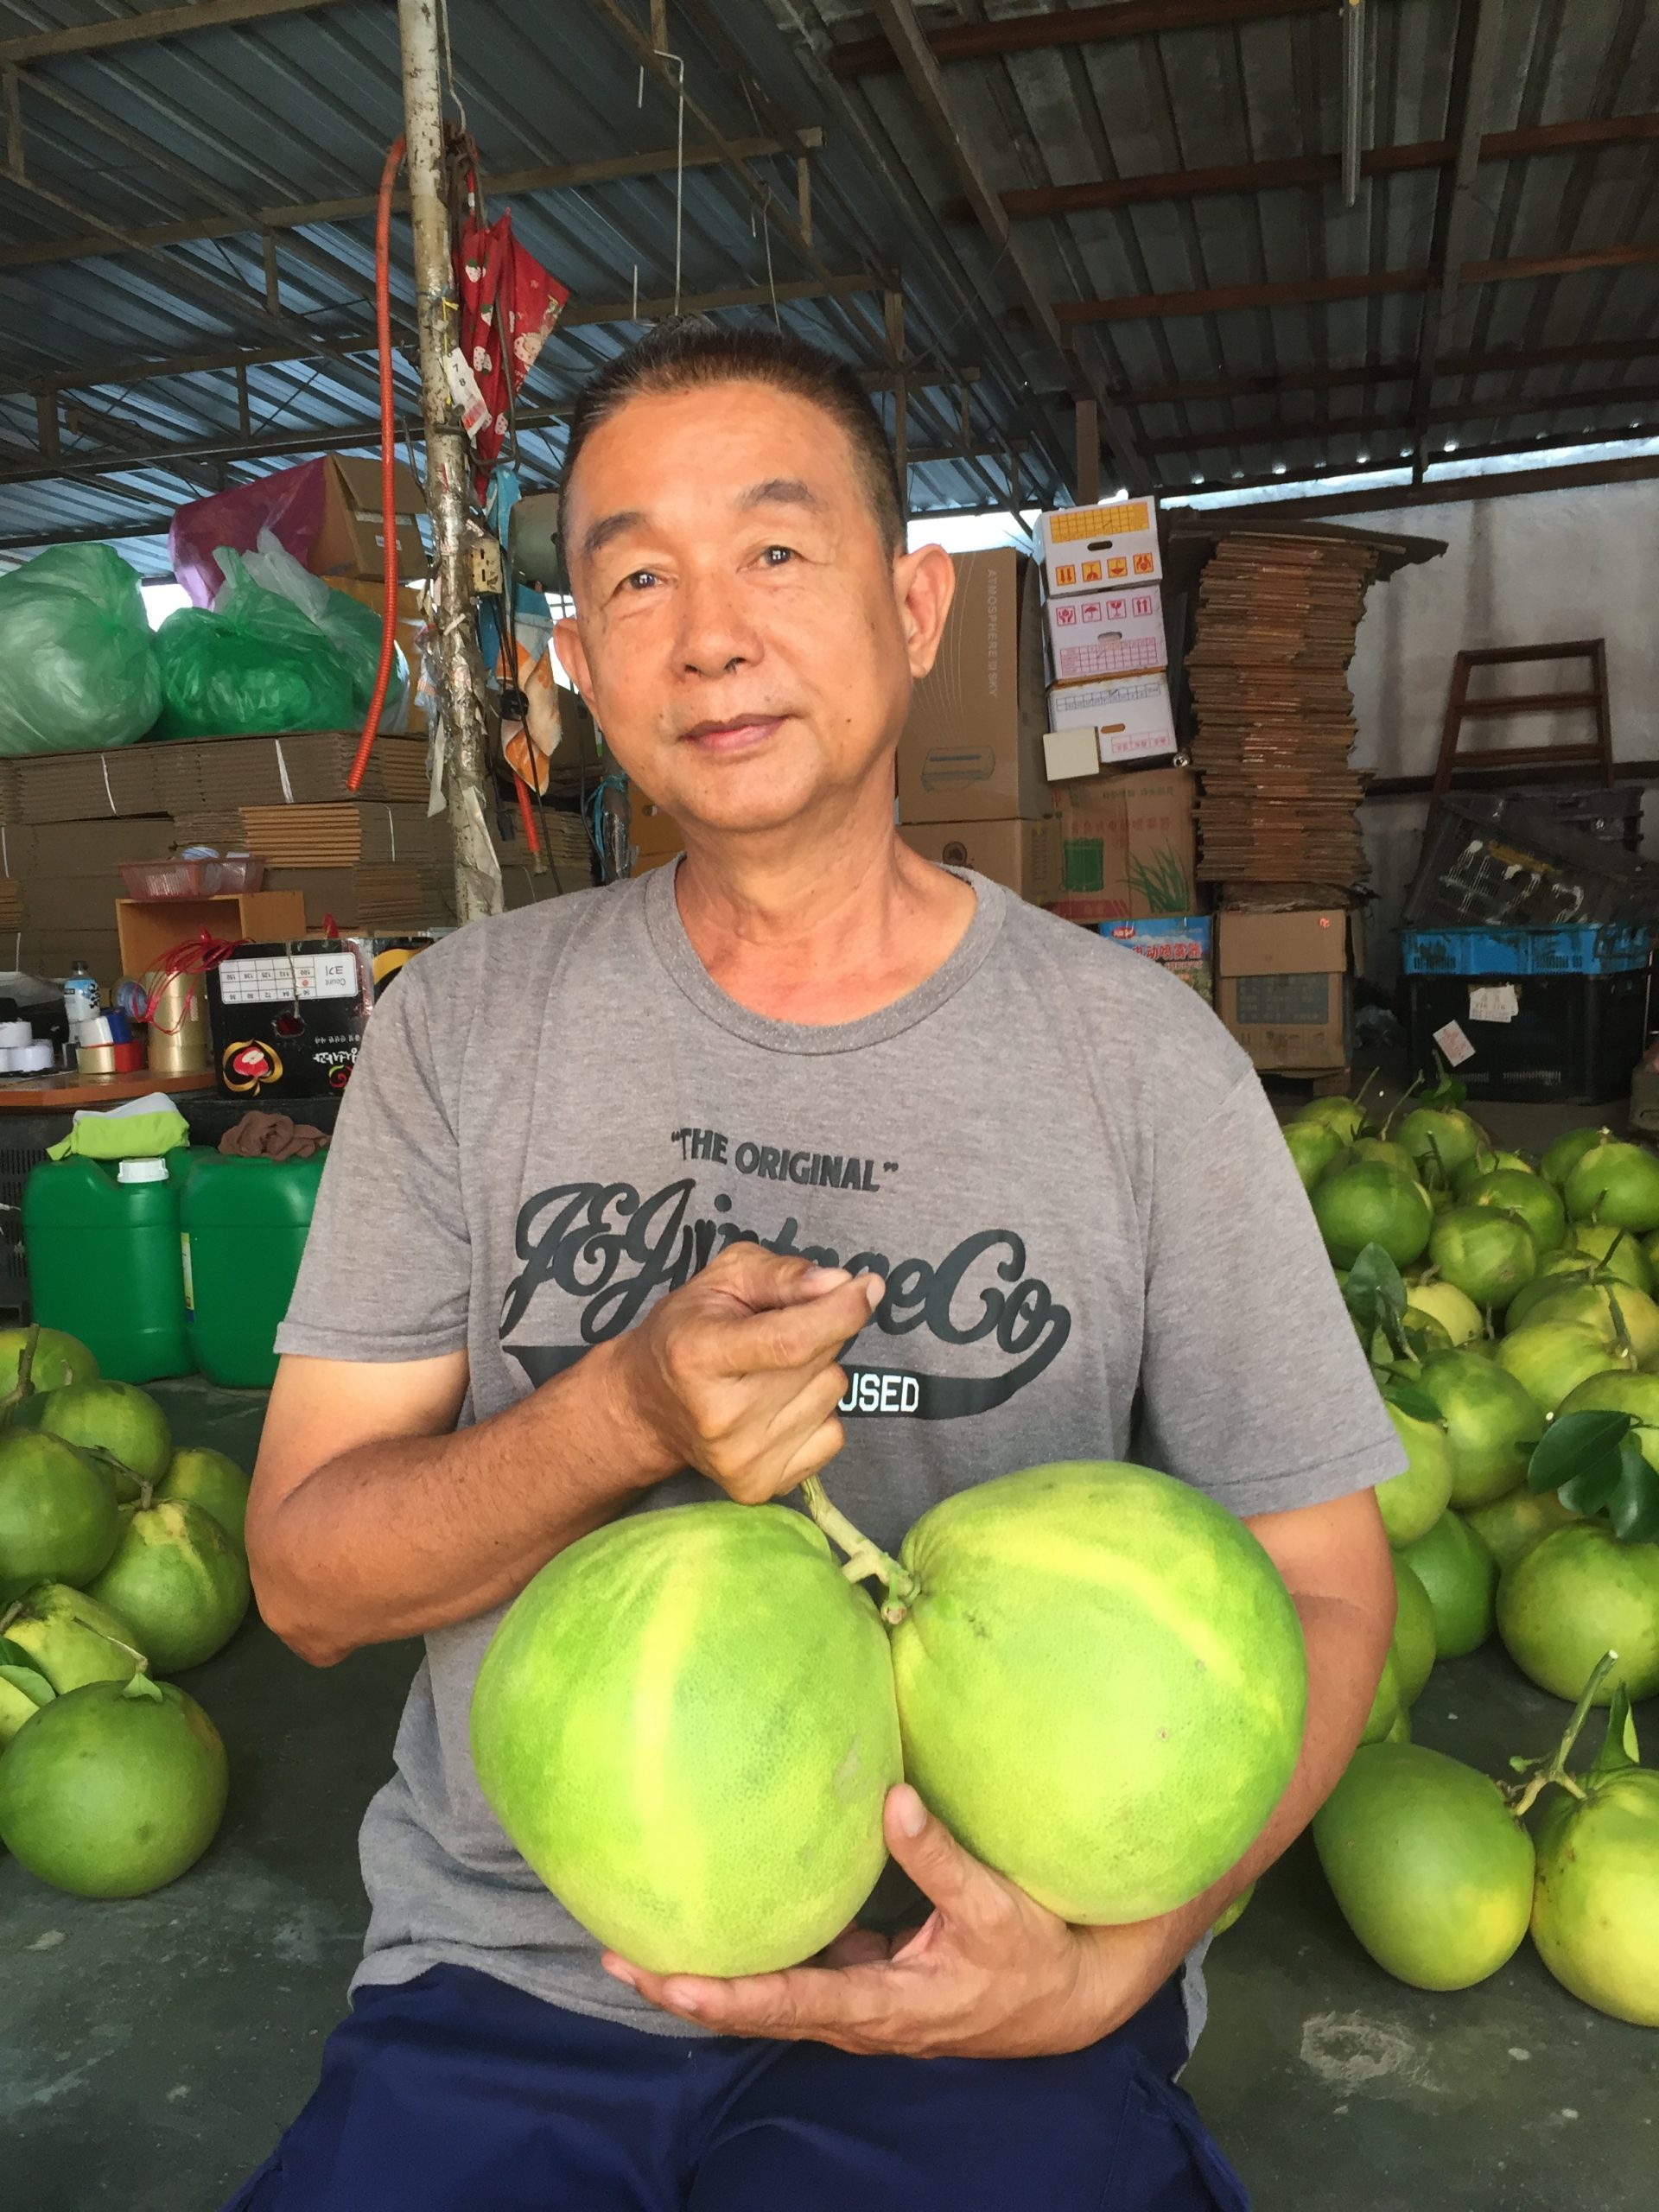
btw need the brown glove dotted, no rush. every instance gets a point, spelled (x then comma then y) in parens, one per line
(271, 1136)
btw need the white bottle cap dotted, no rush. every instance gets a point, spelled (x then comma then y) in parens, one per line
(142, 1171)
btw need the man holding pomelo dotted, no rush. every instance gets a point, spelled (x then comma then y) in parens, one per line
(802, 1149)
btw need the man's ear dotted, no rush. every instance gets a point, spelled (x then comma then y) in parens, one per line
(573, 657)
(923, 583)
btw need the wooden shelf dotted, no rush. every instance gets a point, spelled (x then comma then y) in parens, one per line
(64, 1092)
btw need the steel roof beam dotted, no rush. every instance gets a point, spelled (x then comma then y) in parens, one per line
(864, 57)
(1264, 433)
(1369, 373)
(1584, 136)
(509, 184)
(922, 74)
(149, 23)
(1502, 484)
(1502, 449)
(1220, 299)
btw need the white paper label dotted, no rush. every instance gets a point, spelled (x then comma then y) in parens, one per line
(1493, 1002)
(1455, 1046)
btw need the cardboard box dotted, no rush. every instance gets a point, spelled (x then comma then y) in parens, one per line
(409, 895)
(351, 541)
(1181, 942)
(85, 849)
(1284, 987)
(1024, 855)
(1088, 548)
(1129, 847)
(972, 749)
(1131, 717)
(1107, 633)
(52, 953)
(149, 928)
(287, 1018)
(653, 836)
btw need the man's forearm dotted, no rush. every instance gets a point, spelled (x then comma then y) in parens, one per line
(398, 1536)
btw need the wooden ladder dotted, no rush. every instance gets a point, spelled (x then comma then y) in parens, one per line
(1514, 763)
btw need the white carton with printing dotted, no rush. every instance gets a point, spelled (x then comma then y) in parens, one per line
(1106, 633)
(1091, 549)
(1132, 718)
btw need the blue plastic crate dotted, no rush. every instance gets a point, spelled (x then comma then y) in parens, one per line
(1584, 948)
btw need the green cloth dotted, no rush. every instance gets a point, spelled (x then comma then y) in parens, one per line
(122, 1136)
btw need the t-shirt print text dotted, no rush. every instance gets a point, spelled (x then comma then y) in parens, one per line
(592, 1253)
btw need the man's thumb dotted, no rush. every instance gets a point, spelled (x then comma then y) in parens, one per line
(764, 1280)
(928, 1851)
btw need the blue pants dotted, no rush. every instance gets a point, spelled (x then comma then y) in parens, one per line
(455, 2093)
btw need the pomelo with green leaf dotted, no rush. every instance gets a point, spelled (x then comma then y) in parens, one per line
(1575, 1595)
(1550, 1359)
(113, 1789)
(1492, 1425)
(1457, 1314)
(1431, 1869)
(1564, 1155)
(1525, 1196)
(1636, 1394)
(179, 1580)
(1411, 1502)
(114, 1417)
(1412, 1646)
(1443, 1139)
(1618, 1185)
(1613, 1251)
(1484, 1253)
(1460, 1576)
(1370, 1203)
(1606, 1308)
(1595, 1905)
(1487, 1160)
(58, 1516)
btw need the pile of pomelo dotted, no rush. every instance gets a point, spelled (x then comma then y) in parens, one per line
(1508, 1308)
(121, 1560)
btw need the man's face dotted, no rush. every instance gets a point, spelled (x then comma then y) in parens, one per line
(745, 639)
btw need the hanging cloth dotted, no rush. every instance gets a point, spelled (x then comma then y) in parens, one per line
(509, 305)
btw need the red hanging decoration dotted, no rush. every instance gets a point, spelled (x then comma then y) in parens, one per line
(509, 305)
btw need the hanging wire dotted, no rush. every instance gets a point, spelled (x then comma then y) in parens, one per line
(449, 62)
(766, 233)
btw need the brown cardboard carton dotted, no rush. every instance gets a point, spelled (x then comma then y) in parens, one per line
(1283, 987)
(1024, 855)
(972, 749)
(351, 541)
(1129, 848)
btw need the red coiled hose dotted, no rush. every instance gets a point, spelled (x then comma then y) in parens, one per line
(394, 161)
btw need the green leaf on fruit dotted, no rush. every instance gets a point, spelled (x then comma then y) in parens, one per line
(1415, 1404)
(29, 1679)
(1582, 1443)
(1588, 1492)
(1448, 1091)
(1619, 1748)
(141, 1687)
(1633, 1502)
(1375, 1296)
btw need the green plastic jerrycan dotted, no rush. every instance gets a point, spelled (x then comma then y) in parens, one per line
(105, 1262)
(244, 1224)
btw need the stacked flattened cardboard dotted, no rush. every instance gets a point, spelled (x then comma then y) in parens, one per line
(1276, 624)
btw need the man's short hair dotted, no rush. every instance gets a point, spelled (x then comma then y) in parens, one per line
(689, 352)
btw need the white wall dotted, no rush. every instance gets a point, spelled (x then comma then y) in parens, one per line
(1523, 570)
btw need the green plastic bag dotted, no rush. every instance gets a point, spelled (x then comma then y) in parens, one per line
(78, 662)
(349, 626)
(257, 664)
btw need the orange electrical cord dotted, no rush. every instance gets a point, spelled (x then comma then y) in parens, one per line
(388, 461)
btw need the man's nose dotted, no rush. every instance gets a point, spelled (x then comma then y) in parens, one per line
(716, 635)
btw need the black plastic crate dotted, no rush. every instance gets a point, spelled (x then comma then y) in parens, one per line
(1503, 861)
(1573, 1042)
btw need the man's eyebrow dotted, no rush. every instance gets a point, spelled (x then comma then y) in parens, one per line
(778, 491)
(599, 535)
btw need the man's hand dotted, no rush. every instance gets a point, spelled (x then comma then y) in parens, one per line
(735, 1374)
(990, 1975)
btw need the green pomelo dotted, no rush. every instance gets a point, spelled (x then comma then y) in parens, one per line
(58, 1516)
(1443, 1302)
(1102, 1684)
(1636, 1394)
(113, 1791)
(1557, 1271)
(1312, 1148)
(1485, 1254)
(1424, 1337)
(1345, 1116)
(67, 1652)
(1431, 1869)
(1550, 1359)
(1234, 1913)
(1517, 1523)
(1460, 1576)
(686, 1725)
(1486, 1160)
(59, 1359)
(1412, 1647)
(196, 1476)
(1651, 1252)
(1412, 1501)
(1595, 1908)
(1492, 1425)
(1516, 1190)
(1372, 1203)
(1400, 1732)
(1615, 1251)
(1575, 1595)
(1589, 1306)
(1439, 1141)
(1617, 1186)
(114, 1417)
(1383, 1153)
(1387, 1704)
(181, 1581)
(1564, 1155)
(16, 1706)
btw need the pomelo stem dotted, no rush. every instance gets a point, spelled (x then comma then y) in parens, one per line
(863, 1558)
(24, 1387)
(10, 1614)
(1555, 1770)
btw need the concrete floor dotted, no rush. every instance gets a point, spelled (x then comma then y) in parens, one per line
(150, 2050)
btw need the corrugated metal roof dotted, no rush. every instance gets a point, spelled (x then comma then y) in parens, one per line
(225, 121)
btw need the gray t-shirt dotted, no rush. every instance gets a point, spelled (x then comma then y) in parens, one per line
(1063, 1165)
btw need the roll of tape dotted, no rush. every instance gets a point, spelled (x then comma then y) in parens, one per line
(33, 1058)
(16, 1033)
(9, 1055)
